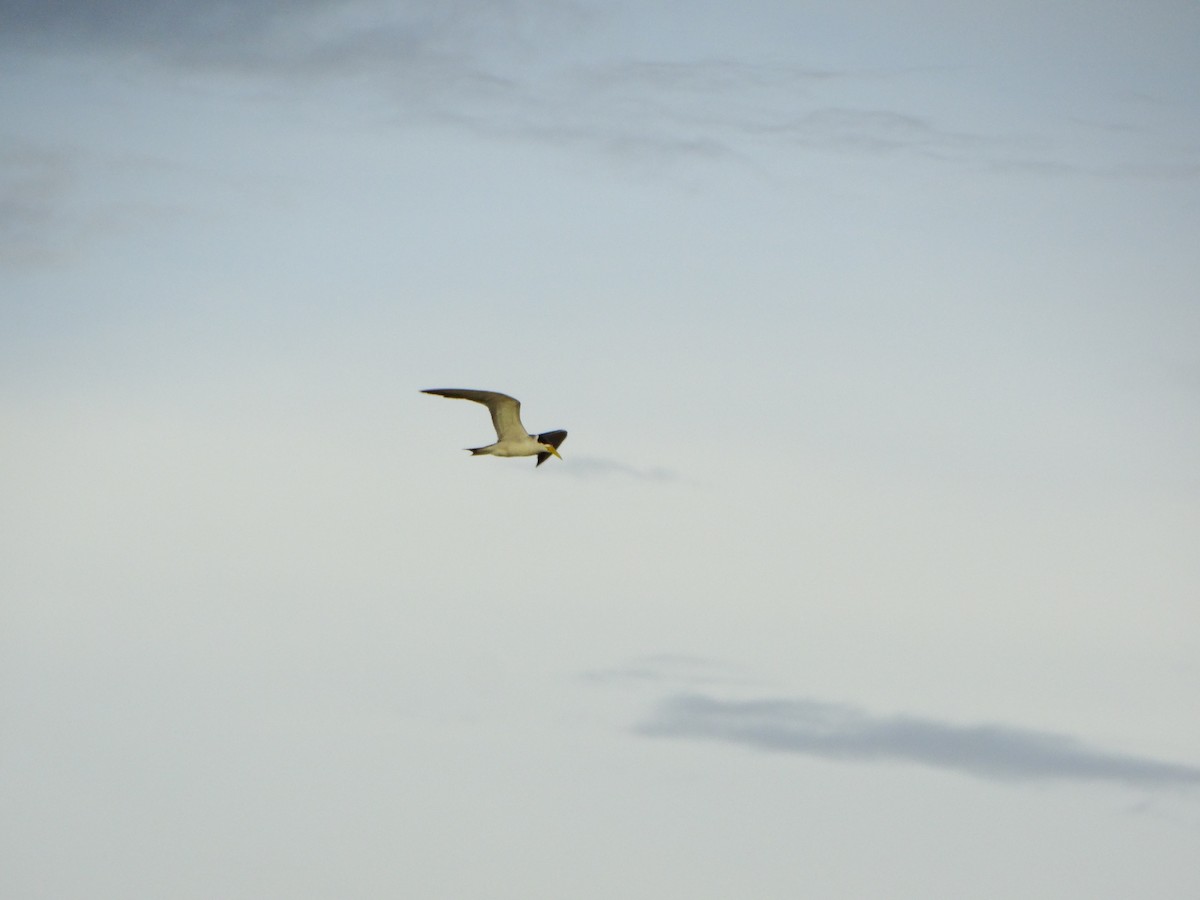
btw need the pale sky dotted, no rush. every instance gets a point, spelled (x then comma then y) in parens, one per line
(872, 566)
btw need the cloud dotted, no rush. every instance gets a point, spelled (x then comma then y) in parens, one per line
(528, 70)
(508, 70)
(315, 36)
(48, 213)
(878, 131)
(33, 184)
(669, 668)
(845, 733)
(597, 467)
(163, 25)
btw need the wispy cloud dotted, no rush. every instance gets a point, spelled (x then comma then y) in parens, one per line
(841, 732)
(318, 37)
(527, 70)
(505, 70)
(48, 213)
(598, 467)
(163, 27)
(875, 131)
(33, 183)
(671, 669)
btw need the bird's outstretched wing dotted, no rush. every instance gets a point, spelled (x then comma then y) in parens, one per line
(505, 410)
(554, 439)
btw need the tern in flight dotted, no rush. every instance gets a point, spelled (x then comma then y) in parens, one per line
(511, 437)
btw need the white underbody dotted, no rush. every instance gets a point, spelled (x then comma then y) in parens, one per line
(529, 446)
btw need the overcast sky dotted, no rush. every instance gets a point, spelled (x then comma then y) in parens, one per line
(871, 567)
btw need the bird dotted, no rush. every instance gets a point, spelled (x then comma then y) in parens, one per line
(512, 439)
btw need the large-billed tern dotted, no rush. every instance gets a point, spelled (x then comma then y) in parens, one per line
(512, 438)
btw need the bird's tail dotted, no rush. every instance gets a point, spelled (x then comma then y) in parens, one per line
(479, 451)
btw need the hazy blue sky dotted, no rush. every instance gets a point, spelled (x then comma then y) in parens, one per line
(873, 563)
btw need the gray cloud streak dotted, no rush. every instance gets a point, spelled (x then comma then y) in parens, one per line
(841, 732)
(669, 668)
(497, 69)
(33, 185)
(46, 214)
(505, 70)
(165, 25)
(596, 467)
